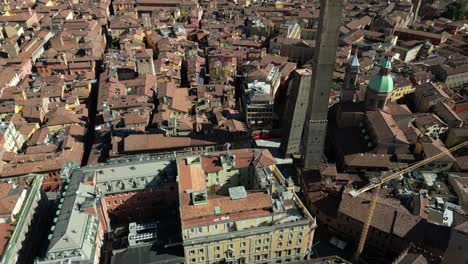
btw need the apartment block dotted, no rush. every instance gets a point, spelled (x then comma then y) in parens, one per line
(237, 207)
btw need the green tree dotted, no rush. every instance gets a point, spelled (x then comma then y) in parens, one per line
(115, 44)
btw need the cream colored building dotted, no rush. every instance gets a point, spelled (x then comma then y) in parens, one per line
(236, 207)
(14, 140)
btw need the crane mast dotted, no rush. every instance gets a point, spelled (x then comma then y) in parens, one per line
(365, 228)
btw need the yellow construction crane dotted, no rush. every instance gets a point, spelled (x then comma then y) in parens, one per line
(376, 184)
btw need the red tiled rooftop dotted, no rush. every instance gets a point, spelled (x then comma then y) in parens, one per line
(146, 142)
(254, 201)
(216, 218)
(192, 178)
(4, 233)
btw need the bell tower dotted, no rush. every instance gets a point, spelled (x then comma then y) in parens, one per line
(350, 79)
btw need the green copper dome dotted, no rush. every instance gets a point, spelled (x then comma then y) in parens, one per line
(386, 64)
(383, 81)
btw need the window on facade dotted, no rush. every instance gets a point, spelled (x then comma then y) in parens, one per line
(257, 249)
(258, 241)
(243, 244)
(192, 252)
(242, 252)
(200, 251)
(217, 248)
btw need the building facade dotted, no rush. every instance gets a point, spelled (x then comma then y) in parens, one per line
(258, 105)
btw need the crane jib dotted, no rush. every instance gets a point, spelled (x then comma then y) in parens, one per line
(414, 166)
